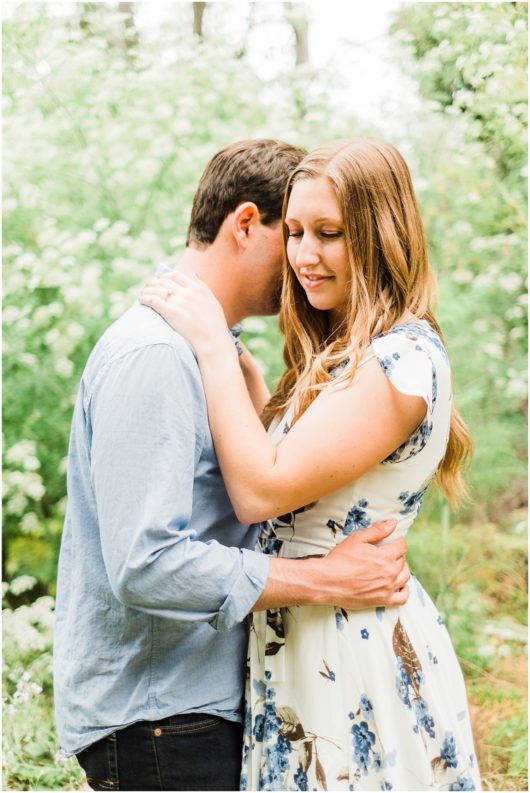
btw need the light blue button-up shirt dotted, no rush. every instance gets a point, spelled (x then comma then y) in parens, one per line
(155, 573)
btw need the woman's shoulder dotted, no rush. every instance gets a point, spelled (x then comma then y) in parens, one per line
(417, 334)
(414, 359)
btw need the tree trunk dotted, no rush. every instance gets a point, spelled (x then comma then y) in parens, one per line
(300, 25)
(198, 13)
(131, 33)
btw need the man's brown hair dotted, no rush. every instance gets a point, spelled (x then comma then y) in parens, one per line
(249, 170)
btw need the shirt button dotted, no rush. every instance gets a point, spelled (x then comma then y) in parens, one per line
(158, 732)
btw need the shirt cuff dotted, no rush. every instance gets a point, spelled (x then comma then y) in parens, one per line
(247, 588)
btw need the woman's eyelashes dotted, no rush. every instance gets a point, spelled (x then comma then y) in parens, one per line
(327, 235)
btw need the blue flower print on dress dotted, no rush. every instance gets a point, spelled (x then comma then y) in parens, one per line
(366, 707)
(462, 783)
(432, 658)
(389, 362)
(268, 541)
(402, 684)
(363, 740)
(272, 546)
(300, 779)
(365, 634)
(258, 729)
(259, 687)
(337, 370)
(424, 719)
(418, 330)
(411, 501)
(448, 751)
(248, 719)
(277, 749)
(434, 387)
(357, 519)
(413, 445)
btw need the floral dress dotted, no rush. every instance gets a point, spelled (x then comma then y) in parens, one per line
(372, 699)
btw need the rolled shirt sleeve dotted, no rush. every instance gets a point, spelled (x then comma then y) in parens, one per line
(148, 426)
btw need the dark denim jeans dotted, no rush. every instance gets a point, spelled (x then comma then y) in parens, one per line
(192, 752)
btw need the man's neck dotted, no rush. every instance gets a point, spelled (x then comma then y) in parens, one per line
(208, 264)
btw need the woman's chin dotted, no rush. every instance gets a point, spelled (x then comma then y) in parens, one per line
(320, 304)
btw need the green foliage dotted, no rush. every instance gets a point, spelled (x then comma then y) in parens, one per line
(470, 62)
(512, 735)
(477, 577)
(31, 757)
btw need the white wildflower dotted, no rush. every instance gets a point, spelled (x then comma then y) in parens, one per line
(64, 367)
(28, 523)
(486, 650)
(493, 350)
(463, 228)
(17, 453)
(16, 504)
(462, 276)
(87, 237)
(23, 583)
(511, 282)
(27, 358)
(101, 224)
(121, 227)
(517, 388)
(52, 336)
(75, 331)
(33, 486)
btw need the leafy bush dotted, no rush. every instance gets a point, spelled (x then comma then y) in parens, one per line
(471, 65)
(31, 756)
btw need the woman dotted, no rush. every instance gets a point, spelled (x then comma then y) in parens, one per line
(360, 423)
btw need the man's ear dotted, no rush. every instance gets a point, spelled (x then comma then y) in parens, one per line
(244, 222)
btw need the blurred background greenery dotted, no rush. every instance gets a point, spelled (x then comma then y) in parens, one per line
(109, 119)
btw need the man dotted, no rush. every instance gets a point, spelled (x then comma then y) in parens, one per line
(156, 574)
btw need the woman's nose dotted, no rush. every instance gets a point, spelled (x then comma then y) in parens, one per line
(306, 254)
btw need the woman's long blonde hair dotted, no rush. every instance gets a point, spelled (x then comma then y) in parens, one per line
(390, 274)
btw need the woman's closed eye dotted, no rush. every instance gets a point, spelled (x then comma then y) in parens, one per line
(327, 235)
(330, 235)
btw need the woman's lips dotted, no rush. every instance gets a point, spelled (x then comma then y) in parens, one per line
(316, 280)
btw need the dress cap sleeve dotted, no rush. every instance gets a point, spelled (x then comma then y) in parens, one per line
(408, 365)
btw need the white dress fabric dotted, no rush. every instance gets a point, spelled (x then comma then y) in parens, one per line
(372, 699)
